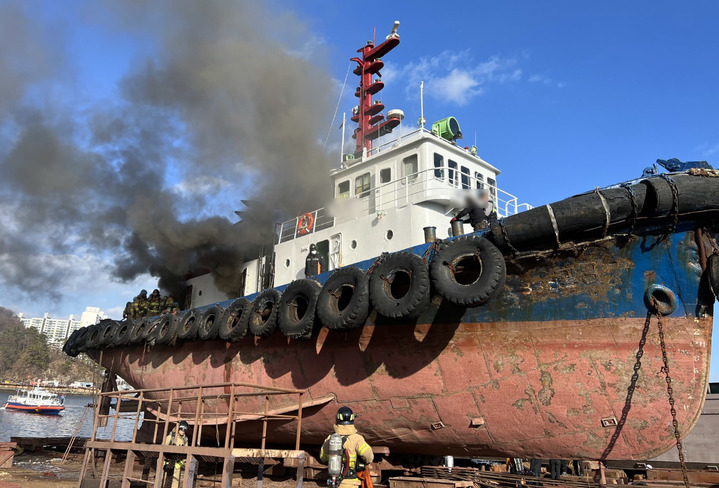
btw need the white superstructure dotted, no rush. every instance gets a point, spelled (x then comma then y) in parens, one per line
(382, 203)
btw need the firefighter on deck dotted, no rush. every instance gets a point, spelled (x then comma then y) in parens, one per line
(315, 262)
(354, 447)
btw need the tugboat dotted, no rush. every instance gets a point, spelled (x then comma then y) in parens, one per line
(551, 334)
(36, 400)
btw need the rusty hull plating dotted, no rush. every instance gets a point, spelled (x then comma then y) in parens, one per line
(502, 379)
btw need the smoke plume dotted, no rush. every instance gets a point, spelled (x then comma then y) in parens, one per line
(228, 106)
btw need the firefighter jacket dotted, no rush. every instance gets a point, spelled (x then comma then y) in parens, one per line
(354, 444)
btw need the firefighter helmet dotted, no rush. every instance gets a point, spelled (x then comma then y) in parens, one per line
(345, 416)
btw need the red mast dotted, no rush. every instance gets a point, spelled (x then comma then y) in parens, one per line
(368, 114)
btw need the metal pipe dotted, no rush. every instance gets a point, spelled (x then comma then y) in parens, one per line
(430, 234)
(457, 228)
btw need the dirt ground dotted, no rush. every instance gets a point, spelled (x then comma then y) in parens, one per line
(45, 471)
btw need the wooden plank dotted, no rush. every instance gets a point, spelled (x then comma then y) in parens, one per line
(410, 482)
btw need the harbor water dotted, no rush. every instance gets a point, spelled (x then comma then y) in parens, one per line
(23, 424)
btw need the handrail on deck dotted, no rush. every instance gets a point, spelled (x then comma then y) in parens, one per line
(401, 191)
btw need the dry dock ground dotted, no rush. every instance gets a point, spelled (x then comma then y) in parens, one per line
(45, 471)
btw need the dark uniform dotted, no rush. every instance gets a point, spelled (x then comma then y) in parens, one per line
(315, 262)
(127, 313)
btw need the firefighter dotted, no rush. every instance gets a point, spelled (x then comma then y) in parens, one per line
(354, 446)
(315, 262)
(173, 469)
(127, 313)
(138, 308)
(170, 306)
(480, 211)
(154, 303)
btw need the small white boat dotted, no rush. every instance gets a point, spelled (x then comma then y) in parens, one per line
(36, 400)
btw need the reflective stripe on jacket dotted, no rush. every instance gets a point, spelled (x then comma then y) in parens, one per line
(354, 444)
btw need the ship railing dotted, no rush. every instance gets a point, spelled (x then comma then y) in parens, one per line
(443, 184)
(215, 409)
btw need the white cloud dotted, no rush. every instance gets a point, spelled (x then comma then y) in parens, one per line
(707, 149)
(453, 77)
(544, 79)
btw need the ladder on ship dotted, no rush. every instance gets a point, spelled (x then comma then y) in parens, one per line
(217, 408)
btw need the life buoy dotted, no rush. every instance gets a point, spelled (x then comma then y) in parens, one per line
(305, 223)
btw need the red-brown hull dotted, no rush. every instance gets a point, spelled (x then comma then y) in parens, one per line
(530, 389)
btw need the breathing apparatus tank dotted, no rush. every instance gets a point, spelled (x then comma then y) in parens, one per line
(334, 462)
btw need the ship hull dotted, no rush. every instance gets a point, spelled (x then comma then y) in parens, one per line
(545, 370)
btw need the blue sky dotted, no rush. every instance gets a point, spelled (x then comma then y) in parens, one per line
(563, 96)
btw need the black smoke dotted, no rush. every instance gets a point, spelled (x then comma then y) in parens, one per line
(230, 102)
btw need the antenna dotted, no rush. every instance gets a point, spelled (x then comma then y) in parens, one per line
(342, 146)
(422, 120)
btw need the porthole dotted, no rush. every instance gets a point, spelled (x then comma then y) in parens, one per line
(287, 263)
(353, 244)
(389, 235)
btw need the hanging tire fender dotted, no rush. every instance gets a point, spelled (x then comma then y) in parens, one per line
(93, 337)
(399, 286)
(188, 325)
(137, 331)
(108, 329)
(122, 335)
(167, 327)
(468, 271)
(210, 323)
(296, 310)
(343, 302)
(263, 314)
(234, 320)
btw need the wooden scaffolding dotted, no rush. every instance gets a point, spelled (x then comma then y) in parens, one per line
(218, 407)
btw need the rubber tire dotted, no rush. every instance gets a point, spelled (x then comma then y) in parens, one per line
(488, 284)
(210, 323)
(81, 339)
(149, 332)
(69, 346)
(137, 333)
(166, 328)
(108, 328)
(122, 335)
(93, 338)
(415, 300)
(234, 322)
(187, 329)
(264, 326)
(289, 322)
(355, 313)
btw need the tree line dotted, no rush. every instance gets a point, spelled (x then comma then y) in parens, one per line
(25, 355)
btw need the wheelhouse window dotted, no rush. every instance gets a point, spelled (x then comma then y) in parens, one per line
(362, 185)
(465, 178)
(439, 163)
(492, 188)
(410, 167)
(343, 189)
(385, 175)
(452, 172)
(479, 180)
